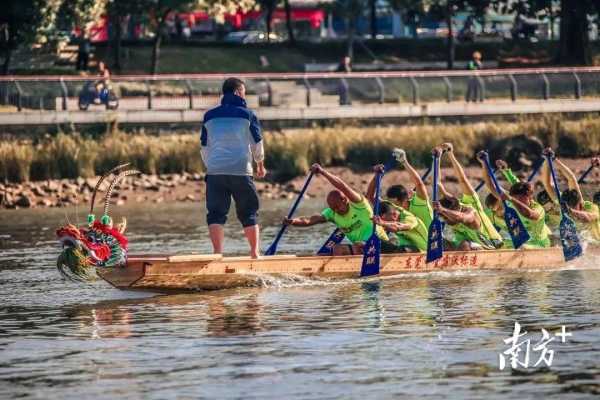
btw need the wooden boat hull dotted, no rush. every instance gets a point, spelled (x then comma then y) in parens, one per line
(211, 272)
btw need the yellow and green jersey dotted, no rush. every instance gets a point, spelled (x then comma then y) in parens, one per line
(501, 227)
(593, 228)
(356, 223)
(487, 236)
(538, 230)
(553, 216)
(421, 209)
(416, 236)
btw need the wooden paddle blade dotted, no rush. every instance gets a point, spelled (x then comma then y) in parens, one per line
(335, 238)
(517, 231)
(569, 238)
(370, 263)
(435, 240)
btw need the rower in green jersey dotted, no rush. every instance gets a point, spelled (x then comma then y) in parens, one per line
(405, 230)
(547, 198)
(348, 210)
(416, 200)
(585, 213)
(472, 228)
(531, 213)
(493, 206)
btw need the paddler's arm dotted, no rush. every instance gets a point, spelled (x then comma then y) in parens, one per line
(583, 216)
(416, 179)
(305, 221)
(570, 176)
(371, 188)
(523, 208)
(547, 180)
(466, 186)
(509, 175)
(337, 183)
(468, 217)
(486, 176)
(392, 226)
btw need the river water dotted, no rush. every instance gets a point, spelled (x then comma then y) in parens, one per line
(436, 335)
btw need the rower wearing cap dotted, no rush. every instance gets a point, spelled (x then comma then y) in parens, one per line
(414, 201)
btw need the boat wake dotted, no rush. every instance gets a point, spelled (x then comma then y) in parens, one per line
(591, 260)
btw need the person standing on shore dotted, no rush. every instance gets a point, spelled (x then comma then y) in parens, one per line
(231, 138)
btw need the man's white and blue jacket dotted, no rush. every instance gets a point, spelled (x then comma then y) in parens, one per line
(231, 137)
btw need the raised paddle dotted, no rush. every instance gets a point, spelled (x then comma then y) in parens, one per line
(372, 249)
(435, 240)
(568, 231)
(585, 174)
(273, 247)
(529, 178)
(517, 231)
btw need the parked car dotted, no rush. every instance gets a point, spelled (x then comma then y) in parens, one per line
(250, 37)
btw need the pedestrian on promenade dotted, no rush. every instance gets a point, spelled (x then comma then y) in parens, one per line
(83, 52)
(231, 139)
(344, 66)
(474, 91)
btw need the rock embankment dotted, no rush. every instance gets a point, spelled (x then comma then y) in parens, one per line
(190, 187)
(138, 189)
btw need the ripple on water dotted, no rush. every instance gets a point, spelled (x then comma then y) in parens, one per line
(426, 335)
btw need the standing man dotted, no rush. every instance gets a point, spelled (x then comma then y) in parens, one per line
(474, 90)
(230, 140)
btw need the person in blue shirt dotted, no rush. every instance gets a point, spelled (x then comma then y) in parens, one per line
(231, 140)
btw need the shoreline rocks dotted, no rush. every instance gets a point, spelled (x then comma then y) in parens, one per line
(187, 187)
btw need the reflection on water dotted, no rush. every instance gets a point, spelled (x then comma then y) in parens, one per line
(431, 335)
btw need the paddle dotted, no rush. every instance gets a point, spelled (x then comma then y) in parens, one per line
(337, 236)
(435, 240)
(568, 231)
(585, 174)
(516, 229)
(535, 171)
(273, 247)
(529, 178)
(372, 249)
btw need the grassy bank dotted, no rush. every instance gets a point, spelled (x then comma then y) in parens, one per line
(289, 153)
(206, 57)
(196, 56)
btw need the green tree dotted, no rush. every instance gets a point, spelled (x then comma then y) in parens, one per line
(445, 10)
(269, 7)
(160, 10)
(288, 22)
(411, 11)
(23, 23)
(116, 11)
(349, 10)
(575, 15)
(574, 45)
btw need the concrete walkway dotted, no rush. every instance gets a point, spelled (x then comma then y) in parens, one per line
(356, 111)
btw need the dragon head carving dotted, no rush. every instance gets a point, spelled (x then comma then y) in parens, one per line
(99, 244)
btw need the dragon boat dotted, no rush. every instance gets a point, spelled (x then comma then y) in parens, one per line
(101, 249)
(175, 273)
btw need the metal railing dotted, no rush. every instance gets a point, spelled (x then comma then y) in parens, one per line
(296, 90)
